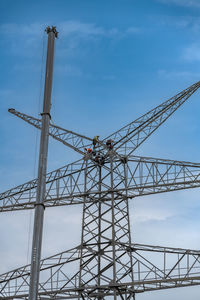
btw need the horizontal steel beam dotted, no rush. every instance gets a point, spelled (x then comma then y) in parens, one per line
(65, 186)
(166, 268)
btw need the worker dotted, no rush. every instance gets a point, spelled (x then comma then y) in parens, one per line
(109, 144)
(95, 140)
(94, 152)
(88, 150)
(102, 160)
(97, 158)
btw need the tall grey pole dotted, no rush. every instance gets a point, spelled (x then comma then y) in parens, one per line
(41, 186)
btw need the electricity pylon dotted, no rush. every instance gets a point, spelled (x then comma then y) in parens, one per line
(106, 264)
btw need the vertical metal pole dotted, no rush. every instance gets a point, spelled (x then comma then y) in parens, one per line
(41, 186)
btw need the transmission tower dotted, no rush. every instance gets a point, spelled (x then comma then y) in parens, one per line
(106, 264)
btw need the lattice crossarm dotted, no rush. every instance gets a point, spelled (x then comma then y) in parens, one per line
(151, 175)
(166, 268)
(69, 138)
(62, 192)
(163, 161)
(63, 182)
(16, 282)
(65, 186)
(130, 137)
(79, 143)
(155, 268)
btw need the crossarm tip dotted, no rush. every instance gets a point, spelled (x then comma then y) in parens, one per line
(11, 110)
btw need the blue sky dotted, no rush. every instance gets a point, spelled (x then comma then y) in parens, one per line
(114, 60)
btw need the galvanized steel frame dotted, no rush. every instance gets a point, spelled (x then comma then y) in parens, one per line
(109, 265)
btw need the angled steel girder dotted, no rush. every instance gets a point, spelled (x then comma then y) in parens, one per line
(127, 139)
(107, 263)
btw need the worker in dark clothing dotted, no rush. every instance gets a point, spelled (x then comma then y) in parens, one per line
(102, 161)
(94, 152)
(95, 140)
(97, 158)
(109, 144)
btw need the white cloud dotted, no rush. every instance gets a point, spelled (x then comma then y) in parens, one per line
(152, 214)
(90, 29)
(168, 219)
(33, 29)
(186, 3)
(181, 22)
(83, 29)
(154, 209)
(75, 37)
(66, 29)
(133, 30)
(192, 53)
(175, 74)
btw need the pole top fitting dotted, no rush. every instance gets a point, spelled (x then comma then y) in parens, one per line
(52, 29)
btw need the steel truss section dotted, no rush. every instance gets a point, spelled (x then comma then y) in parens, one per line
(106, 264)
(144, 176)
(127, 139)
(69, 138)
(131, 136)
(154, 268)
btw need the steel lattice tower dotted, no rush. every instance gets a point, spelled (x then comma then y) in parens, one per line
(106, 264)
